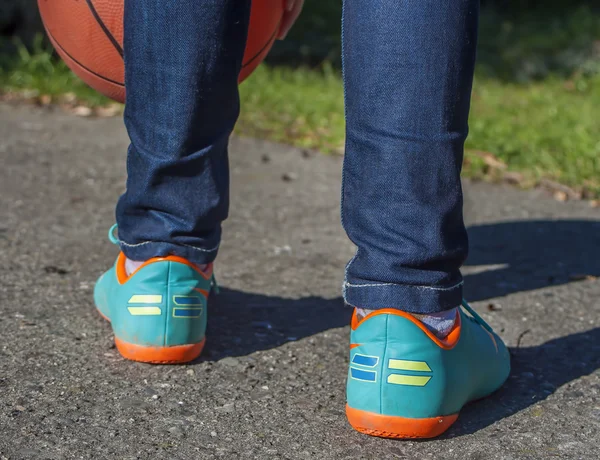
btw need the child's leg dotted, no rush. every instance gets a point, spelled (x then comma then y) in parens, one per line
(408, 73)
(182, 60)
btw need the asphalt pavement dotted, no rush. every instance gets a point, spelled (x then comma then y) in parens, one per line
(271, 381)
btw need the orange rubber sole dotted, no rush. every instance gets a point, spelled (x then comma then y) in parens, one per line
(160, 355)
(177, 354)
(388, 426)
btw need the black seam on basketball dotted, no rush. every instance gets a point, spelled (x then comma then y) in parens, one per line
(271, 40)
(56, 43)
(112, 39)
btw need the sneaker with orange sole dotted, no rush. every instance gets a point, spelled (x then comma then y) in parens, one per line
(404, 382)
(158, 314)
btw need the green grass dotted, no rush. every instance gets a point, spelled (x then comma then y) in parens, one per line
(298, 106)
(39, 72)
(545, 130)
(540, 129)
(535, 101)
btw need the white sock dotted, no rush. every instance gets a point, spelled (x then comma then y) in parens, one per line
(440, 324)
(132, 265)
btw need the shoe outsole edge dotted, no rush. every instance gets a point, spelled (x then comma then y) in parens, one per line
(176, 354)
(389, 426)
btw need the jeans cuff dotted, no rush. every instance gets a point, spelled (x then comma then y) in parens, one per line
(149, 249)
(412, 299)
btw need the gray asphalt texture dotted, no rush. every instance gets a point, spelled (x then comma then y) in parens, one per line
(271, 382)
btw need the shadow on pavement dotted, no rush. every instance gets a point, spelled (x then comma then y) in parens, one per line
(531, 255)
(524, 256)
(242, 323)
(536, 373)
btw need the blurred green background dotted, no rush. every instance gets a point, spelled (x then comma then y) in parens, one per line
(535, 103)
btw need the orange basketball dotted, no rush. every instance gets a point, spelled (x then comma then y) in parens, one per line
(88, 36)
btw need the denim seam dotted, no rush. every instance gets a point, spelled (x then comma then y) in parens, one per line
(345, 118)
(345, 283)
(432, 288)
(175, 244)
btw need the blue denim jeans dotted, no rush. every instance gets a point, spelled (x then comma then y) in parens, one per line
(408, 71)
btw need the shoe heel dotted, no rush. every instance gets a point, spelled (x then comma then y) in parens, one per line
(159, 315)
(176, 354)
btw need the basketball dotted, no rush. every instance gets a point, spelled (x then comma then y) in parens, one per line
(88, 36)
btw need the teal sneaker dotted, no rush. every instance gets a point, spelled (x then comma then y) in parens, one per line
(404, 382)
(158, 314)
